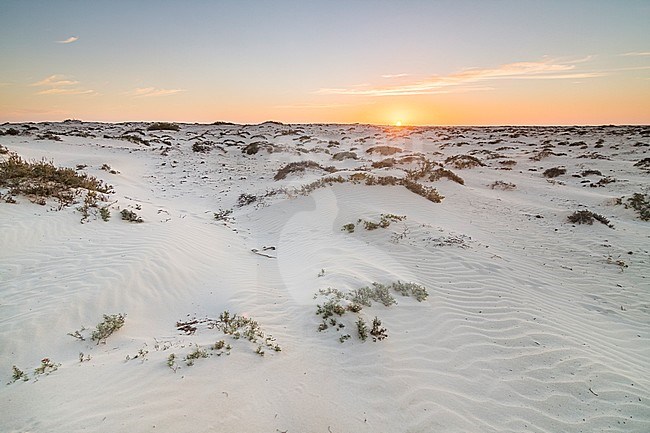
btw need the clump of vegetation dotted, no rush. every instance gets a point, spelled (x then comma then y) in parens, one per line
(384, 163)
(223, 215)
(362, 329)
(439, 173)
(505, 186)
(46, 367)
(130, 216)
(344, 155)
(554, 172)
(640, 203)
(464, 161)
(410, 289)
(246, 199)
(3, 150)
(197, 353)
(384, 150)
(384, 222)
(163, 126)
(108, 168)
(18, 374)
(202, 147)
(378, 332)
(105, 213)
(643, 163)
(588, 217)
(40, 180)
(300, 167)
(107, 327)
(238, 327)
(171, 362)
(429, 193)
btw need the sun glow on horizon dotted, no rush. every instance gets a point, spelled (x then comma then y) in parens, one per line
(398, 123)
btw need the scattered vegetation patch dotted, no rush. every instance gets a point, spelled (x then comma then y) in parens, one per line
(300, 167)
(643, 163)
(429, 193)
(40, 180)
(384, 222)
(236, 326)
(554, 172)
(337, 304)
(588, 217)
(163, 126)
(245, 199)
(640, 203)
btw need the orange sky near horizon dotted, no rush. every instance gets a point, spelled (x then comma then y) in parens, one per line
(380, 62)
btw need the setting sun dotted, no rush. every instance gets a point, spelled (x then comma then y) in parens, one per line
(398, 123)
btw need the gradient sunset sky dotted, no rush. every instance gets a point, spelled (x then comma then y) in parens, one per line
(419, 62)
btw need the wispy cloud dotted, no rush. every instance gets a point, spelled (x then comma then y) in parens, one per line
(637, 54)
(56, 91)
(55, 81)
(152, 91)
(395, 75)
(470, 79)
(60, 85)
(70, 40)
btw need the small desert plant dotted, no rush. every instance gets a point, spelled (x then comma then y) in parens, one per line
(108, 168)
(410, 289)
(505, 186)
(129, 215)
(362, 329)
(18, 374)
(588, 217)
(344, 337)
(348, 228)
(197, 353)
(378, 332)
(246, 199)
(46, 367)
(554, 172)
(223, 215)
(104, 213)
(163, 126)
(171, 362)
(107, 327)
(378, 293)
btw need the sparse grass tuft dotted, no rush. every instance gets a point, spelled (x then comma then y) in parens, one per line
(588, 217)
(464, 161)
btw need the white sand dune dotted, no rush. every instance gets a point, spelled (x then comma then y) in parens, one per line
(531, 323)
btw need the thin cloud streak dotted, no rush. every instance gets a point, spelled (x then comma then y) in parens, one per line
(55, 81)
(543, 70)
(65, 92)
(637, 54)
(70, 40)
(152, 91)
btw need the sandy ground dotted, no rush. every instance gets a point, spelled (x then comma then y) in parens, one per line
(531, 323)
